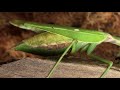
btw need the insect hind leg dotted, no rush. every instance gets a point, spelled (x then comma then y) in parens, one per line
(56, 64)
(110, 63)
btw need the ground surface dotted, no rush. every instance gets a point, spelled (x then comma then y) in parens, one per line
(37, 68)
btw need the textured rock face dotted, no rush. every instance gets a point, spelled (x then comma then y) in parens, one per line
(104, 21)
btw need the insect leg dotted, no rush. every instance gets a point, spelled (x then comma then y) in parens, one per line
(110, 63)
(77, 45)
(56, 64)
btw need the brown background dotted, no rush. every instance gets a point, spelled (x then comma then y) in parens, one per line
(104, 21)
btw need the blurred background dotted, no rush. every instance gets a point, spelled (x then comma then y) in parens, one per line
(103, 21)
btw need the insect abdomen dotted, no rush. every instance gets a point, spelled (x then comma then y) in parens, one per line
(45, 44)
(39, 51)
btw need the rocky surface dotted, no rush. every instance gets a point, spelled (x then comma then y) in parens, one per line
(38, 68)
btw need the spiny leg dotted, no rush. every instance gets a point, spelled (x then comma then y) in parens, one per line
(56, 64)
(110, 63)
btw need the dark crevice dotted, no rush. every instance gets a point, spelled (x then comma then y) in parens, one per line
(6, 62)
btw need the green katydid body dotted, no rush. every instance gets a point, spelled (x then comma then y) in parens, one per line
(59, 39)
(85, 38)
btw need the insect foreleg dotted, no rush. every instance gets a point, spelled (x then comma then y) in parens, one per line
(56, 64)
(110, 63)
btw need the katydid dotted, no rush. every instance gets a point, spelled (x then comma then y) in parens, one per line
(72, 39)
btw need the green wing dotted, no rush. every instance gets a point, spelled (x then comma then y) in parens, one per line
(82, 35)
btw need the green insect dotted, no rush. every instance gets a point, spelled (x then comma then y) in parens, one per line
(61, 40)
